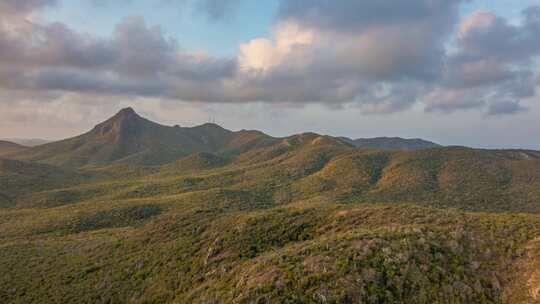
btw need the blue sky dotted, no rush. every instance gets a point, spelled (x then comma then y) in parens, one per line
(509, 8)
(180, 21)
(458, 72)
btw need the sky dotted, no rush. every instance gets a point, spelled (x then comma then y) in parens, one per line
(458, 72)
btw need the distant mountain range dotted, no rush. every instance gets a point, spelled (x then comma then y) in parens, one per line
(28, 142)
(7, 148)
(128, 137)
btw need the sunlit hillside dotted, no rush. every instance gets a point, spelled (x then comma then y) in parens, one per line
(207, 215)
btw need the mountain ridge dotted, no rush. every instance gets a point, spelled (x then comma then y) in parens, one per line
(7, 148)
(27, 142)
(392, 143)
(128, 137)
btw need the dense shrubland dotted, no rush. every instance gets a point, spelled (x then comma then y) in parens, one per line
(309, 219)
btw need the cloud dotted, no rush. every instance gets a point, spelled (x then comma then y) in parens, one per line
(24, 6)
(484, 34)
(354, 16)
(449, 100)
(494, 64)
(136, 60)
(264, 53)
(364, 52)
(505, 107)
(382, 56)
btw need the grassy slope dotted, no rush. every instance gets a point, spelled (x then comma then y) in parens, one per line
(285, 223)
(18, 179)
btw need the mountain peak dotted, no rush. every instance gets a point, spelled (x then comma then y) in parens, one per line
(126, 113)
(125, 121)
(127, 110)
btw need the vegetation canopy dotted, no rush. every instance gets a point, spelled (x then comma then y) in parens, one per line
(137, 212)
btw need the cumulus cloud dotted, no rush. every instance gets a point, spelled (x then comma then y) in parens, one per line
(505, 107)
(354, 16)
(494, 64)
(264, 53)
(20, 6)
(365, 52)
(448, 100)
(484, 34)
(381, 55)
(136, 60)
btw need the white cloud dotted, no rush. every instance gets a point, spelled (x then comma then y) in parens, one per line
(382, 56)
(262, 54)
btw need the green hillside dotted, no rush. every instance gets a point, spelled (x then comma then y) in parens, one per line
(188, 249)
(392, 143)
(20, 179)
(136, 212)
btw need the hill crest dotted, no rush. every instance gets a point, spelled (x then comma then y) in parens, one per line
(392, 143)
(129, 138)
(7, 148)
